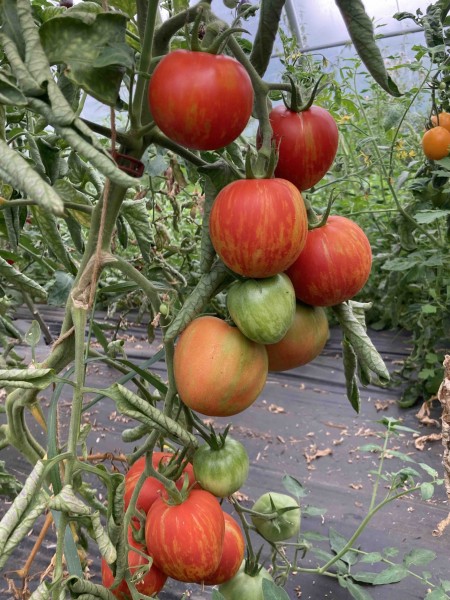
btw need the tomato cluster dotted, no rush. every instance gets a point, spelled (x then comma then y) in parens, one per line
(191, 541)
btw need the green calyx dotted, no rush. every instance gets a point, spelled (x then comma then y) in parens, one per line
(295, 104)
(261, 166)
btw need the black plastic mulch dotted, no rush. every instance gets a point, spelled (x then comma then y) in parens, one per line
(302, 425)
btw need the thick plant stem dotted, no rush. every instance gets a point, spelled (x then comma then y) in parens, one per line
(138, 107)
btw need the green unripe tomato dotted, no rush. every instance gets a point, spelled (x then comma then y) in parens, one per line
(283, 526)
(163, 309)
(244, 586)
(263, 309)
(223, 471)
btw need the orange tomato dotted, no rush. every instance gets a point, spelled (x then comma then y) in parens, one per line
(436, 143)
(442, 120)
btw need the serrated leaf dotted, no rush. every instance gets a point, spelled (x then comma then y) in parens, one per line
(390, 552)
(271, 591)
(392, 574)
(313, 511)
(136, 214)
(360, 29)
(70, 40)
(337, 543)
(33, 335)
(350, 369)
(293, 486)
(269, 19)
(427, 490)
(364, 576)
(371, 558)
(69, 193)
(59, 290)
(16, 171)
(357, 592)
(216, 595)
(48, 227)
(419, 556)
(424, 217)
(356, 334)
(431, 472)
(10, 94)
(371, 448)
(26, 378)
(19, 280)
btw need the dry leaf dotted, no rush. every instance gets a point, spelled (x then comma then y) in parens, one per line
(441, 527)
(356, 486)
(423, 439)
(424, 415)
(383, 404)
(273, 408)
(315, 454)
(338, 442)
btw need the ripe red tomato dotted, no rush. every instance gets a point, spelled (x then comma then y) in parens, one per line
(436, 143)
(200, 100)
(307, 144)
(152, 488)
(151, 583)
(218, 371)
(303, 341)
(258, 227)
(232, 553)
(334, 265)
(186, 540)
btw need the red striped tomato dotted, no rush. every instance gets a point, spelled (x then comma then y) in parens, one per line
(151, 488)
(186, 540)
(334, 265)
(151, 583)
(218, 371)
(232, 553)
(258, 227)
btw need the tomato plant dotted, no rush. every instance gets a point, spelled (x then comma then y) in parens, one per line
(218, 371)
(149, 583)
(334, 265)
(245, 585)
(151, 488)
(285, 524)
(232, 553)
(307, 143)
(436, 143)
(186, 540)
(221, 468)
(304, 340)
(263, 309)
(258, 226)
(200, 100)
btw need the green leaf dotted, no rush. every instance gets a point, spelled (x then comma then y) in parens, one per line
(400, 264)
(429, 309)
(429, 216)
(79, 40)
(357, 592)
(9, 485)
(337, 543)
(313, 511)
(360, 28)
(59, 290)
(431, 472)
(371, 557)
(293, 486)
(371, 448)
(427, 490)
(437, 594)
(271, 591)
(19, 280)
(419, 556)
(16, 171)
(392, 574)
(136, 214)
(99, 335)
(10, 94)
(390, 552)
(350, 368)
(69, 193)
(48, 227)
(27, 378)
(216, 595)
(269, 19)
(33, 335)
(356, 334)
